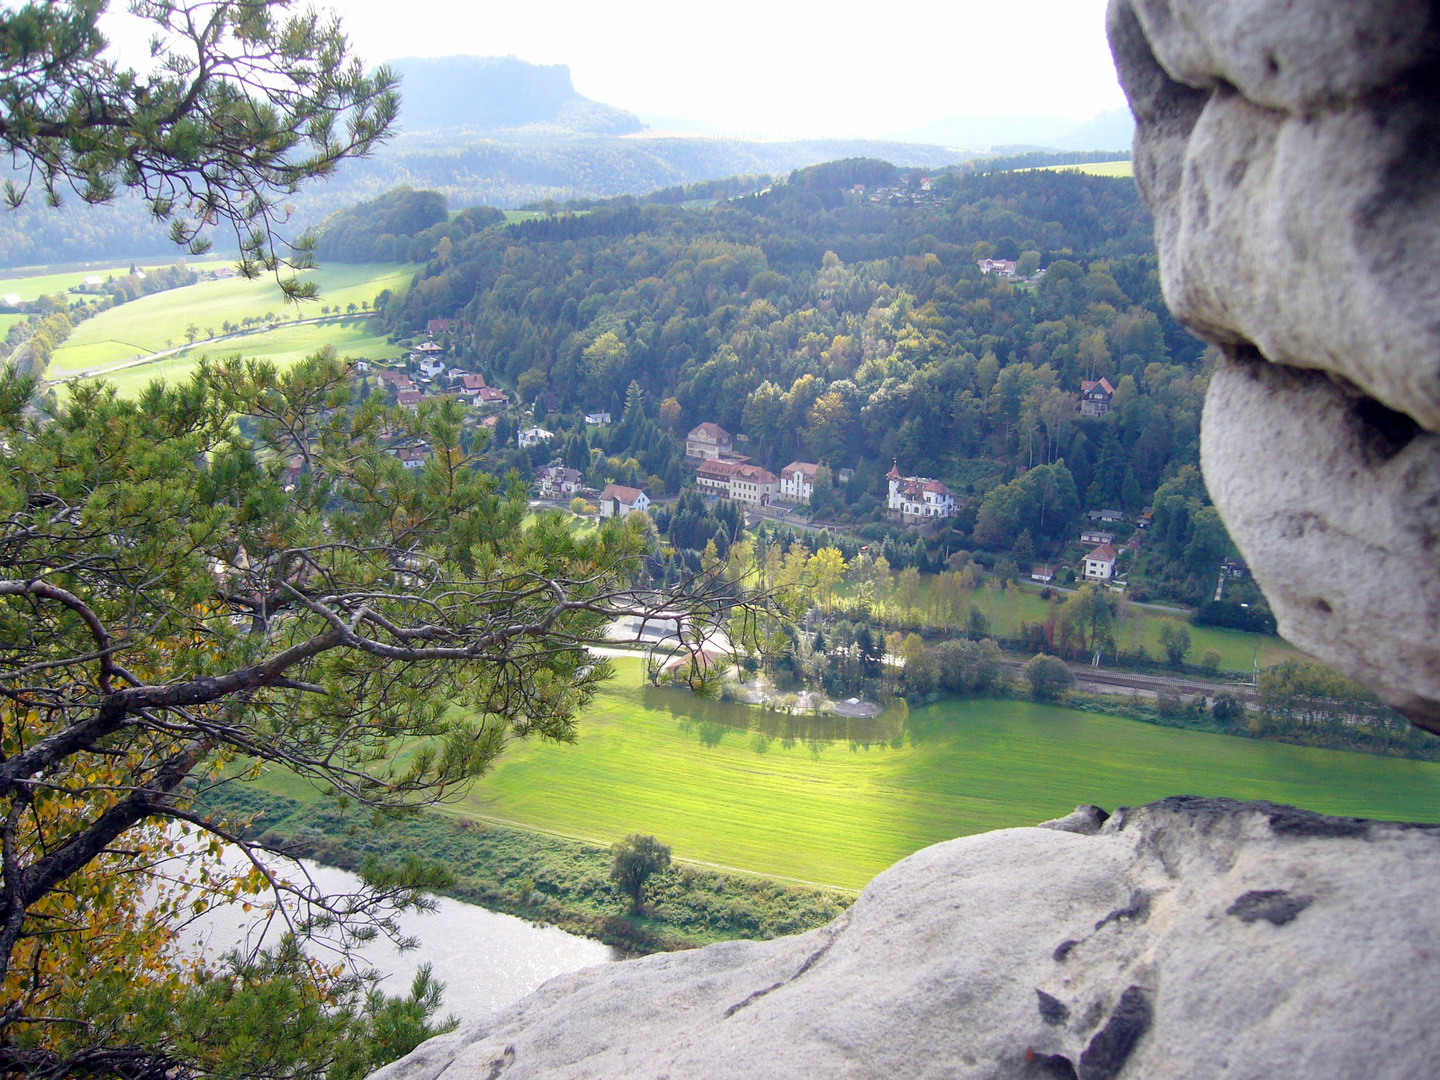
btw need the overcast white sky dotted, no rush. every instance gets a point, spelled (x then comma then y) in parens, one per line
(780, 67)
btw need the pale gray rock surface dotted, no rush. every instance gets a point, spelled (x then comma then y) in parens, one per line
(1290, 152)
(1191, 938)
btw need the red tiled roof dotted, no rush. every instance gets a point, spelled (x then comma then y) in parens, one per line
(806, 467)
(1103, 553)
(626, 495)
(754, 474)
(1104, 384)
(473, 382)
(713, 432)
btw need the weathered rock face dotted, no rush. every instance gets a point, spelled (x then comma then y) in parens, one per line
(1189, 938)
(1289, 151)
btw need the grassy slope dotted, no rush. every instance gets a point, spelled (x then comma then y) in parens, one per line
(157, 322)
(284, 345)
(839, 814)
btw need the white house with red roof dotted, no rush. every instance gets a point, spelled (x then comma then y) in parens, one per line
(1095, 397)
(412, 457)
(915, 499)
(617, 500)
(707, 442)
(797, 481)
(559, 482)
(1100, 564)
(1002, 267)
(410, 399)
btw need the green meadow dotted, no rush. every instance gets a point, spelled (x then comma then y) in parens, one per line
(728, 785)
(33, 286)
(284, 345)
(158, 322)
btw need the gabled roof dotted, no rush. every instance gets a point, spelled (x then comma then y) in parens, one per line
(409, 397)
(707, 430)
(473, 382)
(717, 469)
(1103, 384)
(756, 475)
(806, 467)
(1103, 553)
(627, 495)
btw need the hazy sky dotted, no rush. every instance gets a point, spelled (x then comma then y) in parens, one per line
(780, 67)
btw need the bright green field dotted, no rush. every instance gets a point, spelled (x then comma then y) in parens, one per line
(662, 762)
(35, 286)
(7, 321)
(157, 322)
(284, 345)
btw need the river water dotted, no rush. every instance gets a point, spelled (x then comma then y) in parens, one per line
(485, 959)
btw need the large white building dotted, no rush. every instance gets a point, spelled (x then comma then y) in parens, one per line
(532, 436)
(915, 499)
(752, 484)
(797, 481)
(1100, 564)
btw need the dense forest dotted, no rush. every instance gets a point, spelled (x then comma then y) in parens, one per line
(855, 329)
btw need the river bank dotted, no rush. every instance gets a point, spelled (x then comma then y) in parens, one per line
(540, 878)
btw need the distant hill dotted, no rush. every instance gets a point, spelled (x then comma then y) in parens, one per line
(500, 94)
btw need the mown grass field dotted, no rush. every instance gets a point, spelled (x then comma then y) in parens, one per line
(284, 345)
(1098, 168)
(158, 322)
(662, 762)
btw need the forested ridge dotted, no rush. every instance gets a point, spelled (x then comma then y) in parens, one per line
(855, 329)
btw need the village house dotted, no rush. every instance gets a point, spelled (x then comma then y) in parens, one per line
(430, 367)
(752, 484)
(1096, 536)
(558, 482)
(917, 498)
(470, 385)
(797, 481)
(713, 477)
(707, 442)
(1002, 267)
(1095, 397)
(437, 326)
(617, 500)
(533, 436)
(412, 457)
(1100, 564)
(599, 419)
(291, 475)
(1107, 515)
(397, 379)
(1042, 574)
(426, 348)
(489, 395)
(409, 399)
(11, 300)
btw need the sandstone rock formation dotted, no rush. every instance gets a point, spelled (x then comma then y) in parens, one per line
(1289, 150)
(1188, 938)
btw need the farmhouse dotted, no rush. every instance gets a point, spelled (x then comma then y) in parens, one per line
(617, 501)
(1000, 267)
(707, 442)
(533, 436)
(1095, 397)
(1100, 564)
(797, 481)
(752, 484)
(917, 498)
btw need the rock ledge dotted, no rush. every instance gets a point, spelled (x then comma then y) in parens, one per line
(1188, 938)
